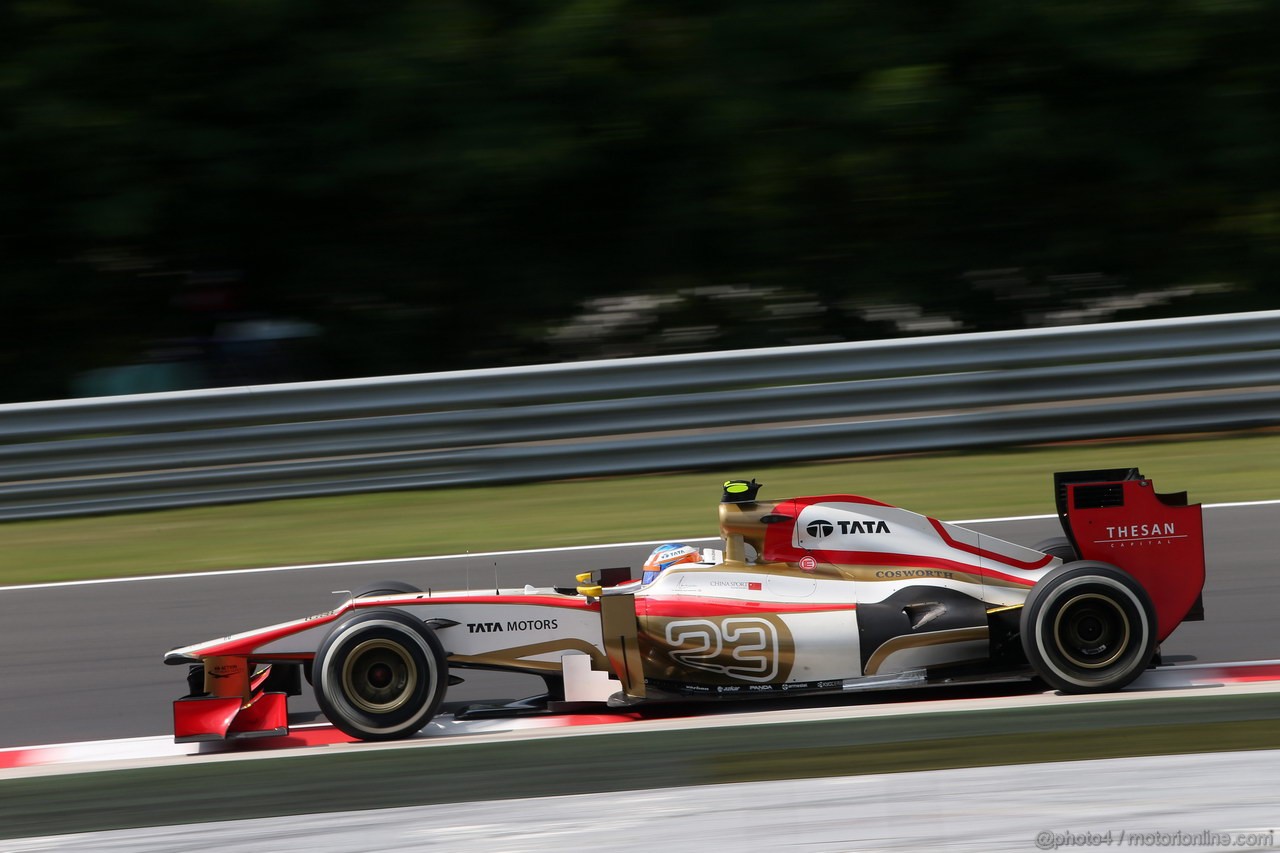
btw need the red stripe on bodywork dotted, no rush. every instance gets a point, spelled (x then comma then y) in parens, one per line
(534, 600)
(690, 605)
(844, 499)
(245, 645)
(915, 561)
(941, 530)
(992, 573)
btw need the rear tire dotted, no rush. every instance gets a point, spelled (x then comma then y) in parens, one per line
(1060, 547)
(380, 675)
(1088, 627)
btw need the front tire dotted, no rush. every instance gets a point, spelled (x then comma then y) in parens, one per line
(1088, 627)
(380, 675)
(383, 588)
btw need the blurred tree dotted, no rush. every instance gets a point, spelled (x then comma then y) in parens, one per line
(447, 185)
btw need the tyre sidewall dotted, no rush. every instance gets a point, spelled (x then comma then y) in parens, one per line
(421, 648)
(1059, 588)
(1060, 547)
(384, 588)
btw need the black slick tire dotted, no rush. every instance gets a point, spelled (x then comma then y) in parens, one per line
(383, 588)
(1088, 627)
(1060, 547)
(380, 675)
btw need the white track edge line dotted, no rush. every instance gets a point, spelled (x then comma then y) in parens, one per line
(480, 554)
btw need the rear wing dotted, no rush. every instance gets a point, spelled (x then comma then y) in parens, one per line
(1116, 516)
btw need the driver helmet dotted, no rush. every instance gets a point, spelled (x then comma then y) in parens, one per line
(665, 556)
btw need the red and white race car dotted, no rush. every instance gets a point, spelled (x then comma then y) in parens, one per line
(825, 594)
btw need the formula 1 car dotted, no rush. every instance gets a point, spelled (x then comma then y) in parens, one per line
(826, 594)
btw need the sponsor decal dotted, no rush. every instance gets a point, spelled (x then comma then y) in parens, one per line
(747, 645)
(748, 585)
(808, 563)
(225, 670)
(1137, 534)
(513, 625)
(732, 689)
(902, 574)
(688, 584)
(533, 625)
(821, 528)
(324, 615)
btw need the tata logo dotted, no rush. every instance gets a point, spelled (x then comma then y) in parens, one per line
(820, 528)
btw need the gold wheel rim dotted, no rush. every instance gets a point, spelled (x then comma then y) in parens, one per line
(379, 676)
(1070, 634)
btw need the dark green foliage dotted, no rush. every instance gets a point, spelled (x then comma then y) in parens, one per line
(443, 185)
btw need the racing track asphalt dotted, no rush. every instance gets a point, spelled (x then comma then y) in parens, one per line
(82, 662)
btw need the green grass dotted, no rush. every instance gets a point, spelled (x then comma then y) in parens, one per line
(1003, 750)
(669, 506)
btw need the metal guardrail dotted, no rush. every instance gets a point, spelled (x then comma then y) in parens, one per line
(150, 451)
